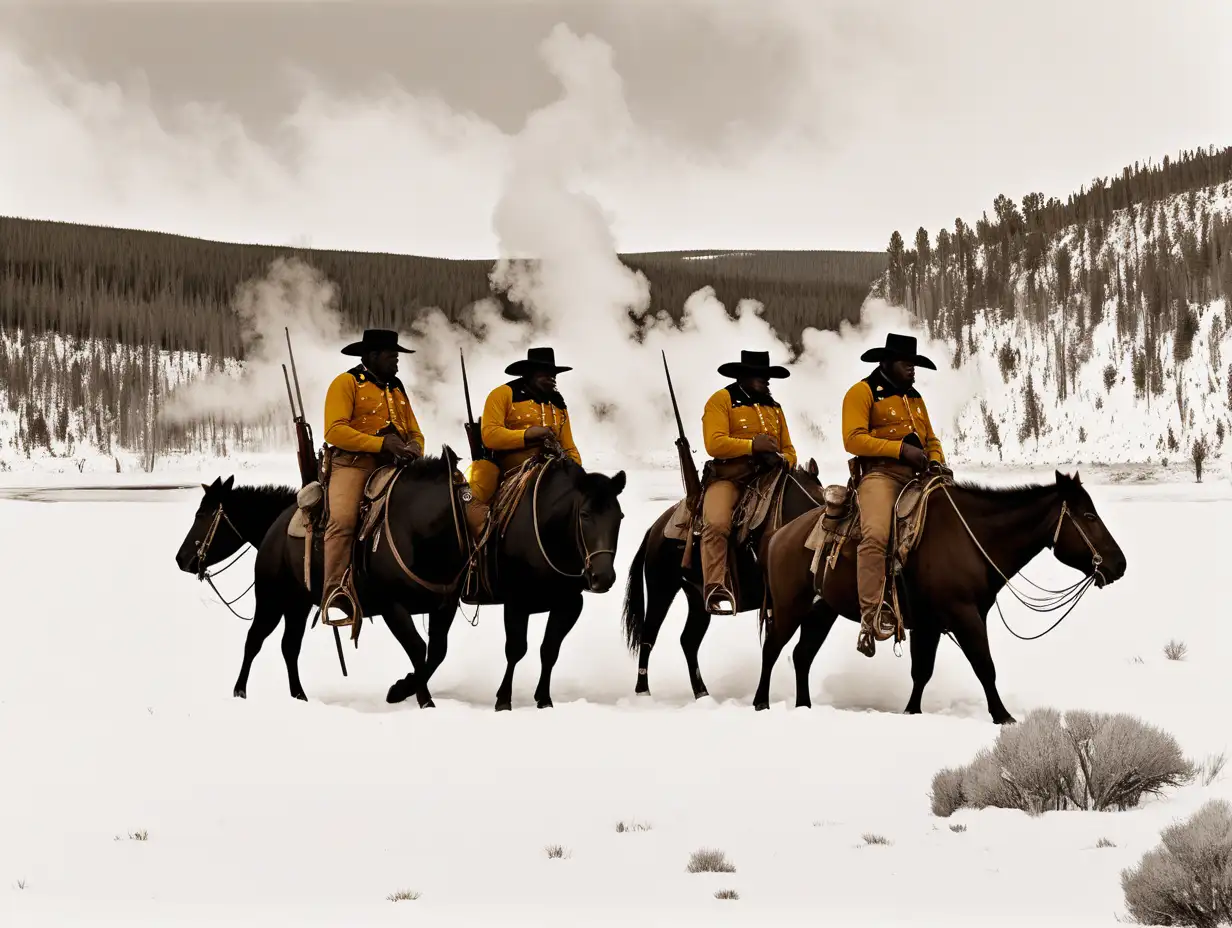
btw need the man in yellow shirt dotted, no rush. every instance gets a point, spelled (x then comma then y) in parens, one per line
(886, 427)
(518, 417)
(745, 433)
(368, 422)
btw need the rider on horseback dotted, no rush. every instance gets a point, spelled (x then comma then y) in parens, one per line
(745, 434)
(886, 427)
(368, 422)
(518, 418)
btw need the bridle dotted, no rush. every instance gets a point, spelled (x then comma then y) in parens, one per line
(580, 537)
(1071, 595)
(203, 549)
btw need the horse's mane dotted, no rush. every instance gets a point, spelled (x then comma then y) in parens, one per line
(593, 485)
(430, 466)
(1006, 497)
(266, 499)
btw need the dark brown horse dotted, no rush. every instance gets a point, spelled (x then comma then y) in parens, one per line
(974, 539)
(658, 560)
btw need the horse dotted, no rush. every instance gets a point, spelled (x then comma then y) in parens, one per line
(413, 569)
(658, 562)
(560, 541)
(973, 540)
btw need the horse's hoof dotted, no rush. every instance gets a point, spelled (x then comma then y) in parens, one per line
(427, 704)
(761, 706)
(504, 707)
(701, 694)
(300, 696)
(239, 693)
(804, 705)
(1006, 720)
(544, 704)
(641, 689)
(910, 711)
(400, 690)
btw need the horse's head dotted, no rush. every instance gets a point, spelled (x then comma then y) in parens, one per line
(599, 515)
(809, 479)
(1082, 537)
(212, 537)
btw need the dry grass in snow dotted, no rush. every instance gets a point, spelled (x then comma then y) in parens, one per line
(557, 852)
(710, 860)
(1175, 650)
(1187, 880)
(622, 827)
(1091, 761)
(403, 895)
(726, 894)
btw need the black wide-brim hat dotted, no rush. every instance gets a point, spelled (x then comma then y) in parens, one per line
(898, 348)
(376, 340)
(536, 360)
(753, 364)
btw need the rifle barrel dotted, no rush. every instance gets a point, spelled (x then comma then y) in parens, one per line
(294, 373)
(290, 398)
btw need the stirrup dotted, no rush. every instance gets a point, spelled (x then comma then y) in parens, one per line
(886, 626)
(866, 642)
(347, 619)
(718, 592)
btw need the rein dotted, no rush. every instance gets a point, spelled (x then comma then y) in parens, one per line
(203, 548)
(439, 588)
(1072, 594)
(587, 554)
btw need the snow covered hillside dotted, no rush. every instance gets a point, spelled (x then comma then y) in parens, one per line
(1111, 344)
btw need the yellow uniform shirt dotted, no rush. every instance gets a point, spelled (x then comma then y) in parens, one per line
(357, 408)
(879, 416)
(732, 418)
(510, 410)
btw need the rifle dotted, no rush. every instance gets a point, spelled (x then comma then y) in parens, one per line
(303, 431)
(307, 460)
(473, 435)
(688, 469)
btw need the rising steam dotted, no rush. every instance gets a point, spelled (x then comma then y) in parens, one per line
(578, 294)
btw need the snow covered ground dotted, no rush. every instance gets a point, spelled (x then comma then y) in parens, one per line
(117, 720)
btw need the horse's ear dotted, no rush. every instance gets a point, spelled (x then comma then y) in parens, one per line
(206, 486)
(812, 467)
(1077, 478)
(229, 482)
(618, 482)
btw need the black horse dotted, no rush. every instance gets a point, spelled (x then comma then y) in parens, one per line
(559, 542)
(659, 561)
(423, 530)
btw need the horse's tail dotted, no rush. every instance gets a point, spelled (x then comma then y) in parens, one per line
(635, 598)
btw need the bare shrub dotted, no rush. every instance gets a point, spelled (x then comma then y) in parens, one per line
(1210, 771)
(958, 828)
(20, 884)
(726, 894)
(947, 795)
(710, 860)
(403, 895)
(1176, 650)
(871, 838)
(1187, 880)
(557, 852)
(1105, 842)
(1087, 760)
(622, 827)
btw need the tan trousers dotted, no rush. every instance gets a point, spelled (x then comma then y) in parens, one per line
(877, 492)
(718, 505)
(348, 473)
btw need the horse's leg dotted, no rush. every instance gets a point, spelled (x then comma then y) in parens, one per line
(516, 621)
(295, 621)
(267, 612)
(402, 625)
(561, 619)
(663, 583)
(439, 622)
(813, 631)
(971, 633)
(695, 627)
(924, 642)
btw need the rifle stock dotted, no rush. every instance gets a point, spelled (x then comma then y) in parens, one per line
(688, 468)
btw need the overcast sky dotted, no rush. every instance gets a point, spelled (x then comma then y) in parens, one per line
(762, 124)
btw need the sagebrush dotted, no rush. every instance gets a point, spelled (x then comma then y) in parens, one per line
(1187, 879)
(1086, 760)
